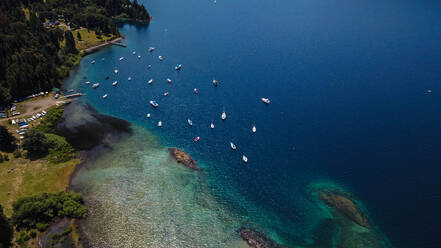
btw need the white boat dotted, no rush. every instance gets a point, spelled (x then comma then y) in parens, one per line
(105, 96)
(130, 78)
(133, 52)
(196, 91)
(149, 66)
(169, 80)
(88, 82)
(139, 56)
(190, 122)
(154, 103)
(159, 123)
(148, 115)
(151, 49)
(178, 67)
(93, 62)
(121, 58)
(233, 146)
(266, 100)
(160, 58)
(102, 59)
(212, 125)
(224, 116)
(166, 93)
(215, 82)
(95, 85)
(214, 1)
(245, 159)
(116, 71)
(254, 129)
(150, 81)
(115, 83)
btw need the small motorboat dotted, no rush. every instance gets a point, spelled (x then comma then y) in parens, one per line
(196, 91)
(233, 146)
(122, 58)
(224, 116)
(149, 66)
(212, 125)
(266, 100)
(88, 82)
(107, 77)
(93, 62)
(116, 71)
(254, 129)
(169, 80)
(196, 139)
(130, 78)
(166, 93)
(151, 49)
(105, 96)
(178, 67)
(154, 103)
(133, 52)
(429, 91)
(160, 58)
(139, 56)
(96, 85)
(115, 83)
(159, 123)
(245, 159)
(215, 82)
(190, 122)
(150, 81)
(148, 115)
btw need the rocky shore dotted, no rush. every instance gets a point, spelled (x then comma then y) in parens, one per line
(257, 239)
(182, 157)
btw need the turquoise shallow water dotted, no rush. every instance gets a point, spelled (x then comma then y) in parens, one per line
(347, 82)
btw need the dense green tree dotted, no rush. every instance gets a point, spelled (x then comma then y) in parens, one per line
(5, 230)
(37, 211)
(7, 141)
(70, 42)
(36, 144)
(79, 36)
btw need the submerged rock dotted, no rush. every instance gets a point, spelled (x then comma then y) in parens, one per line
(257, 239)
(346, 206)
(184, 158)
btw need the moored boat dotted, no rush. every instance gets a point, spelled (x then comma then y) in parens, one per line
(233, 146)
(151, 49)
(115, 83)
(139, 56)
(178, 67)
(224, 116)
(196, 91)
(88, 82)
(150, 81)
(130, 78)
(169, 80)
(160, 58)
(93, 62)
(254, 129)
(116, 71)
(121, 58)
(96, 85)
(215, 82)
(245, 159)
(105, 96)
(166, 93)
(133, 52)
(154, 103)
(266, 100)
(212, 125)
(196, 139)
(189, 122)
(148, 115)
(159, 123)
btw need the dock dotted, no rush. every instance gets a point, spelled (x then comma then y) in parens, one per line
(118, 43)
(73, 95)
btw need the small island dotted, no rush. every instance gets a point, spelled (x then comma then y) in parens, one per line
(182, 157)
(345, 205)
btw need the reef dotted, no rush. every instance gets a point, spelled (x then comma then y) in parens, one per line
(182, 157)
(345, 205)
(257, 239)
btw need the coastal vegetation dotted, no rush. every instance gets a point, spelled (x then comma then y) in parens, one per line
(5, 230)
(38, 39)
(39, 210)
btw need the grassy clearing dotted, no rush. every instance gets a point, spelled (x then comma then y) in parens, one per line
(89, 38)
(32, 177)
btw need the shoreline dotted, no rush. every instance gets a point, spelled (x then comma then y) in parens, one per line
(93, 49)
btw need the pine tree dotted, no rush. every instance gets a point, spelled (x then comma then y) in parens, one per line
(70, 42)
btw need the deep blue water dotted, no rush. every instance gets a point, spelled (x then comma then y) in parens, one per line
(347, 81)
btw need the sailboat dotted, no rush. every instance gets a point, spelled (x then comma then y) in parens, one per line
(245, 159)
(233, 146)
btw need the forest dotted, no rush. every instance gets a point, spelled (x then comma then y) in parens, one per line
(35, 57)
